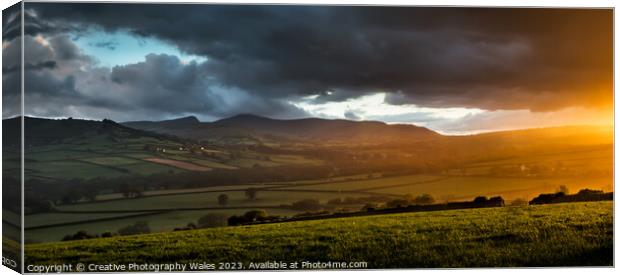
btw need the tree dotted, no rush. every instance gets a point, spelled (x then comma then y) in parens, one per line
(72, 197)
(137, 228)
(124, 189)
(409, 197)
(222, 200)
(250, 193)
(236, 220)
(90, 192)
(307, 205)
(212, 220)
(255, 215)
(371, 206)
(397, 203)
(129, 192)
(80, 235)
(480, 200)
(563, 189)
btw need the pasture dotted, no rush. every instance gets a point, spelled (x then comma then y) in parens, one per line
(572, 234)
(443, 187)
(165, 209)
(105, 157)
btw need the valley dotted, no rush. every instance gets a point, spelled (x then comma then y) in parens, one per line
(101, 176)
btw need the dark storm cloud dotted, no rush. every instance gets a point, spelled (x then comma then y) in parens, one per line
(29, 66)
(537, 59)
(11, 21)
(62, 81)
(11, 89)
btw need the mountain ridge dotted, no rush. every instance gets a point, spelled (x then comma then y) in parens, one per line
(298, 129)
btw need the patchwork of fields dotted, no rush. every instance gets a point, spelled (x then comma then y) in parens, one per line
(99, 176)
(571, 234)
(99, 157)
(166, 209)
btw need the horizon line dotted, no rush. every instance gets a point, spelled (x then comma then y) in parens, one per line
(441, 132)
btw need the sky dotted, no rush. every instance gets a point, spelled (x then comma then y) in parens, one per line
(453, 70)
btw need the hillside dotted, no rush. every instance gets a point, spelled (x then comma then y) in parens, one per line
(571, 234)
(119, 172)
(77, 148)
(308, 130)
(42, 131)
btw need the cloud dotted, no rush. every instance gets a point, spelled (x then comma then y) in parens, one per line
(520, 119)
(11, 57)
(62, 81)
(110, 45)
(535, 59)
(264, 59)
(351, 115)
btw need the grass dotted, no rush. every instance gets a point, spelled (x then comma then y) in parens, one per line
(112, 161)
(363, 183)
(11, 249)
(463, 187)
(58, 170)
(574, 234)
(51, 218)
(159, 222)
(236, 198)
(163, 222)
(102, 157)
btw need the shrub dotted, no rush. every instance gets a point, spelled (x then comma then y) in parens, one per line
(251, 193)
(107, 235)
(137, 228)
(585, 192)
(80, 235)
(251, 216)
(480, 200)
(212, 220)
(222, 200)
(255, 215)
(310, 214)
(307, 205)
(398, 203)
(563, 189)
(236, 220)
(370, 206)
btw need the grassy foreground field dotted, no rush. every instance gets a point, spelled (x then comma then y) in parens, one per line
(573, 234)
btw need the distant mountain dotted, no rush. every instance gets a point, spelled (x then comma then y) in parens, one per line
(43, 131)
(189, 121)
(308, 129)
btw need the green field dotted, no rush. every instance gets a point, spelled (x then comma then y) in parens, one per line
(173, 196)
(442, 188)
(158, 222)
(98, 156)
(574, 234)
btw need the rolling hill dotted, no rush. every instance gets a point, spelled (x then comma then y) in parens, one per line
(77, 148)
(307, 130)
(85, 164)
(61, 149)
(569, 234)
